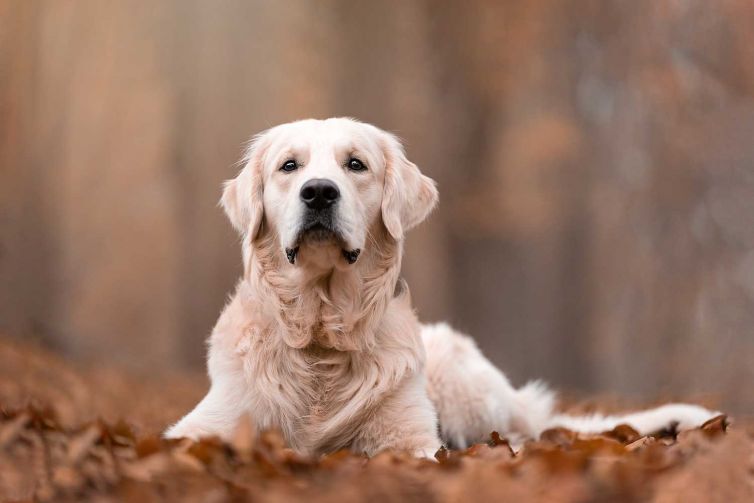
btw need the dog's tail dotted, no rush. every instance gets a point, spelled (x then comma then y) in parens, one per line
(533, 409)
(535, 413)
(674, 416)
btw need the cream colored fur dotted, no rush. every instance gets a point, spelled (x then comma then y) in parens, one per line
(327, 351)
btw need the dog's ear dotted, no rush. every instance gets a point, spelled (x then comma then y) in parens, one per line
(242, 197)
(408, 196)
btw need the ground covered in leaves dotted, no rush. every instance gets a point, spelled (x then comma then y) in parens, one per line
(70, 435)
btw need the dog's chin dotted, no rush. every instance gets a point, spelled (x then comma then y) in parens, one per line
(319, 235)
(321, 241)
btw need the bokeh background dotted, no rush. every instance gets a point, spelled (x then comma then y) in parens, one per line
(595, 161)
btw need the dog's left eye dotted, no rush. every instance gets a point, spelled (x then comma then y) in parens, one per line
(289, 166)
(356, 165)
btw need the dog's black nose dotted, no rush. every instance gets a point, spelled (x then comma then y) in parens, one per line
(319, 193)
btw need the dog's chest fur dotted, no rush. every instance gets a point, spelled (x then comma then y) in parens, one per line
(316, 396)
(316, 381)
(303, 396)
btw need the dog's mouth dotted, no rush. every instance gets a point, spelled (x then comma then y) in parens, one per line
(319, 233)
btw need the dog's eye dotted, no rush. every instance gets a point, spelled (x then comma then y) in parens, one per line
(289, 166)
(356, 165)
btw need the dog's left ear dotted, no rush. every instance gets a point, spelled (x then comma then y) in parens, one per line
(242, 197)
(408, 196)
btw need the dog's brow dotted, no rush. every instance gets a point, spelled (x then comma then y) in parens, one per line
(297, 152)
(352, 147)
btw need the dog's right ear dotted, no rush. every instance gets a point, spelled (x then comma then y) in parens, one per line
(242, 197)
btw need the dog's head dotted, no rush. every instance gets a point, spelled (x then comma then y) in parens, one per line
(322, 186)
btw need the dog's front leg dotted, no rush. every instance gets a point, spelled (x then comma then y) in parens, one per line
(219, 411)
(406, 421)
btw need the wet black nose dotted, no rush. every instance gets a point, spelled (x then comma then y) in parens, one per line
(319, 193)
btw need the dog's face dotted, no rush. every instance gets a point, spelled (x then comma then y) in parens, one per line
(321, 186)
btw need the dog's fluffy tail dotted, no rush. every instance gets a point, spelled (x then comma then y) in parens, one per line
(679, 416)
(536, 406)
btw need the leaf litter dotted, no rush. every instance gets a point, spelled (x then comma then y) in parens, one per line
(47, 455)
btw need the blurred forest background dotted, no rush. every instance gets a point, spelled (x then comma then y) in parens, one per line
(595, 162)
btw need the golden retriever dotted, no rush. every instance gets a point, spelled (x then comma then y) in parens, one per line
(320, 340)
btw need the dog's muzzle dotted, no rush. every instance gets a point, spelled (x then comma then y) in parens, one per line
(320, 197)
(318, 228)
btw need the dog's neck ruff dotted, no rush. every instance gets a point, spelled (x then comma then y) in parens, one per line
(339, 310)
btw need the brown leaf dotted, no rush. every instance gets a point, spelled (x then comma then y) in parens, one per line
(244, 437)
(207, 449)
(78, 445)
(9, 430)
(623, 433)
(148, 445)
(442, 455)
(121, 434)
(716, 426)
(559, 436)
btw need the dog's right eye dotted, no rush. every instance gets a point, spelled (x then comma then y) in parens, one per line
(289, 166)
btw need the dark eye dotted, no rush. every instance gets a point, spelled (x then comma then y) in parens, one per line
(356, 165)
(289, 166)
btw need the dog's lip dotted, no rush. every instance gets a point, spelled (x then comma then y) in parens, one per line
(351, 256)
(326, 233)
(318, 226)
(291, 253)
(318, 232)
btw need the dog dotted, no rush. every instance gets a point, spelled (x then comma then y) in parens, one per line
(320, 341)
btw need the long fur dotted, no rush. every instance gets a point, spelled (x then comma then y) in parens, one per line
(328, 352)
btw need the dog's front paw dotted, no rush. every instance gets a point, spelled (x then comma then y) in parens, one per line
(184, 429)
(427, 452)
